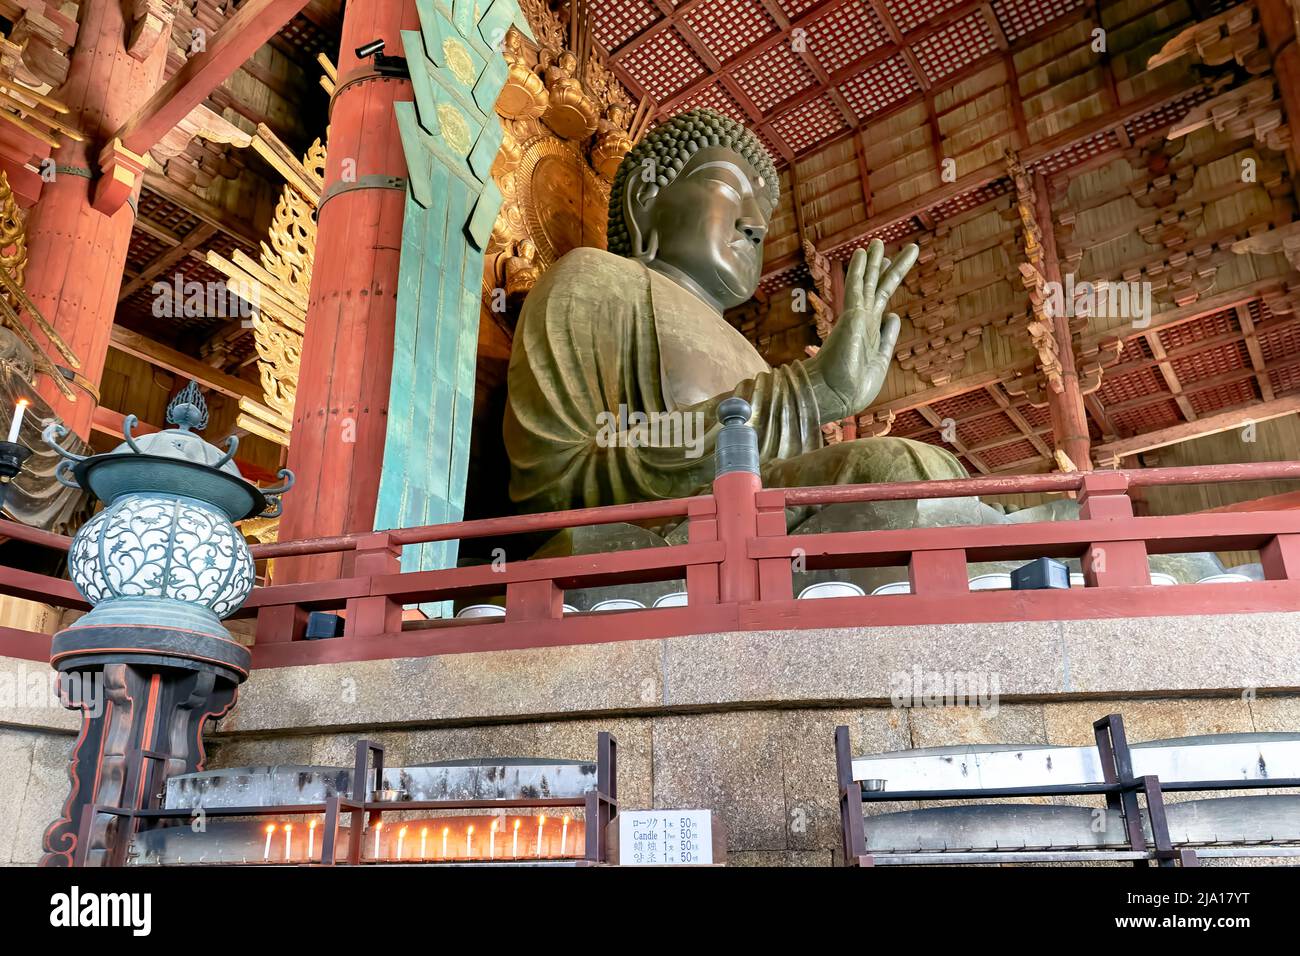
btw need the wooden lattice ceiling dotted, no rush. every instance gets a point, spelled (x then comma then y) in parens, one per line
(807, 73)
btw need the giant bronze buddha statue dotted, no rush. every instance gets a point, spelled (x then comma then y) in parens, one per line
(638, 332)
(641, 328)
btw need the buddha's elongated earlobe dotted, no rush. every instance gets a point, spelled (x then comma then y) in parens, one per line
(644, 247)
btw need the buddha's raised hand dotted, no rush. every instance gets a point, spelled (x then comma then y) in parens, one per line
(850, 368)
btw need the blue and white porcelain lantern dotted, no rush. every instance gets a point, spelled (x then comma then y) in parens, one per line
(163, 562)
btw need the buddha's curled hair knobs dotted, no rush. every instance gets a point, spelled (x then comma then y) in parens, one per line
(670, 145)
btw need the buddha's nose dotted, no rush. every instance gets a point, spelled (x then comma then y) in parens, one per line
(753, 229)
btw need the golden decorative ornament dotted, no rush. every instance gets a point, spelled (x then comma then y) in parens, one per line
(571, 113)
(454, 129)
(524, 94)
(564, 202)
(459, 61)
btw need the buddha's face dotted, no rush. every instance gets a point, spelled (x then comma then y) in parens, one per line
(706, 227)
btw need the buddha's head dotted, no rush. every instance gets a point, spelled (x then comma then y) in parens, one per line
(692, 200)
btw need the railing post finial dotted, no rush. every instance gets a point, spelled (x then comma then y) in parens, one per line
(737, 448)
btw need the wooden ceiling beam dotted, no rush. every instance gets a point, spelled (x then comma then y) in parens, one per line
(1256, 353)
(991, 172)
(1022, 423)
(253, 24)
(805, 19)
(1209, 425)
(933, 418)
(1170, 376)
(1172, 318)
(200, 208)
(186, 366)
(1098, 414)
(157, 266)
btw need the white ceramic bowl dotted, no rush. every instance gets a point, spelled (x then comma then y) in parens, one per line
(898, 587)
(997, 581)
(831, 589)
(618, 604)
(676, 599)
(482, 610)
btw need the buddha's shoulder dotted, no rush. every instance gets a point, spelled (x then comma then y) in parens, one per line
(589, 267)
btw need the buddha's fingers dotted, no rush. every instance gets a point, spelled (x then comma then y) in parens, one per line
(906, 259)
(889, 337)
(853, 298)
(875, 253)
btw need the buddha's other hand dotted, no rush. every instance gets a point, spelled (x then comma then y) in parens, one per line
(850, 368)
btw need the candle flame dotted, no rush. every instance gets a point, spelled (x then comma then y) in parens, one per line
(401, 832)
(471, 828)
(288, 828)
(446, 830)
(541, 819)
(312, 825)
(379, 824)
(517, 822)
(423, 831)
(494, 827)
(23, 403)
(270, 828)
(566, 819)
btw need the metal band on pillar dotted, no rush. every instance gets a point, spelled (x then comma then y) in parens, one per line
(373, 181)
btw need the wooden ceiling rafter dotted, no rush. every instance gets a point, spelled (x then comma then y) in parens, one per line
(187, 246)
(1167, 372)
(1209, 425)
(1009, 409)
(901, 45)
(933, 418)
(1031, 156)
(1251, 335)
(226, 222)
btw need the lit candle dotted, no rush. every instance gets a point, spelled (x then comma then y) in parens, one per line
(469, 841)
(378, 828)
(311, 840)
(19, 410)
(541, 822)
(401, 838)
(564, 836)
(492, 841)
(266, 853)
(444, 842)
(288, 838)
(514, 847)
(424, 834)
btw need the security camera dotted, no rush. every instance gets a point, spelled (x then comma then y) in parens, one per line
(370, 49)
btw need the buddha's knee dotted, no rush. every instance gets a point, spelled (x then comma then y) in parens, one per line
(898, 459)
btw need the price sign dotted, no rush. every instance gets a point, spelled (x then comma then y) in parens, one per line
(665, 837)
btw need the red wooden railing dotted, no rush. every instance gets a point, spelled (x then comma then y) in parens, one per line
(737, 565)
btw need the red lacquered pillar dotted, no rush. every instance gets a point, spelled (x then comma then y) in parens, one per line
(76, 254)
(341, 410)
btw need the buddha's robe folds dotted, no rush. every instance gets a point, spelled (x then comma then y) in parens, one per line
(600, 333)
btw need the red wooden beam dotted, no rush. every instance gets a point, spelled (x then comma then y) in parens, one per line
(977, 607)
(242, 35)
(1284, 502)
